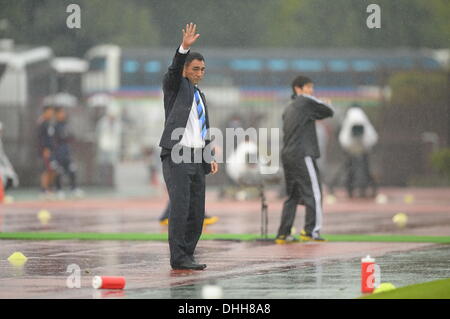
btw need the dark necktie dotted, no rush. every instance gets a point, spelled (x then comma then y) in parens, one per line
(201, 115)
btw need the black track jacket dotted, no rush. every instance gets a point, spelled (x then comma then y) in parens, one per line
(299, 126)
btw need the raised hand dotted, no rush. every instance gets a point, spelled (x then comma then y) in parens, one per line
(189, 35)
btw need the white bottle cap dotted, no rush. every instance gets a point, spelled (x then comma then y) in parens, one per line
(368, 259)
(97, 282)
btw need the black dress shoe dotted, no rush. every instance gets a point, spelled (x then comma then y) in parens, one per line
(195, 262)
(202, 265)
(189, 266)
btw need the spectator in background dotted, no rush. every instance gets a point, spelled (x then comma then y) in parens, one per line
(7, 173)
(62, 159)
(357, 137)
(243, 162)
(233, 123)
(109, 136)
(152, 159)
(46, 132)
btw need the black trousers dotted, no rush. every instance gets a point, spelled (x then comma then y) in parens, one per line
(303, 187)
(358, 175)
(186, 187)
(166, 213)
(64, 166)
(9, 183)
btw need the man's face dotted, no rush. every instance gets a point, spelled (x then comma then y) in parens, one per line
(195, 71)
(60, 116)
(308, 89)
(48, 114)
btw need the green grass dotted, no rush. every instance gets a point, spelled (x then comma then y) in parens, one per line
(439, 289)
(116, 236)
(232, 237)
(388, 238)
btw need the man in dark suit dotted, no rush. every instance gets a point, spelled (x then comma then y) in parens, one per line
(185, 135)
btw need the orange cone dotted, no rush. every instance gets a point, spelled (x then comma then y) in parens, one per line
(2, 191)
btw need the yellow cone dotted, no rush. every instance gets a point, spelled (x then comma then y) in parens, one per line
(17, 259)
(8, 199)
(400, 219)
(330, 199)
(44, 216)
(387, 286)
(408, 199)
(381, 199)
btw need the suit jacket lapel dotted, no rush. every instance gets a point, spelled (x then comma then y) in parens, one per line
(206, 108)
(191, 90)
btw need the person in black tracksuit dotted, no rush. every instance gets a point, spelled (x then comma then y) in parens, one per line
(62, 154)
(299, 153)
(45, 134)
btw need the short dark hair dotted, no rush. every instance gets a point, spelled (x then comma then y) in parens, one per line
(193, 56)
(47, 107)
(300, 81)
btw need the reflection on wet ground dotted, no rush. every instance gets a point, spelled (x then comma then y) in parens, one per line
(243, 270)
(320, 279)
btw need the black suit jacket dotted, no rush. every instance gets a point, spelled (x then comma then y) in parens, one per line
(178, 97)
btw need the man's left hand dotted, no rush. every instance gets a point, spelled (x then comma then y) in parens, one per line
(214, 168)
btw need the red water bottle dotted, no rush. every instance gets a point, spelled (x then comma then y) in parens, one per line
(367, 274)
(108, 282)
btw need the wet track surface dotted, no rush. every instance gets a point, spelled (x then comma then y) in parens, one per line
(242, 269)
(320, 278)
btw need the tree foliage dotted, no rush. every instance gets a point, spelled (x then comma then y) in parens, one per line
(232, 23)
(43, 22)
